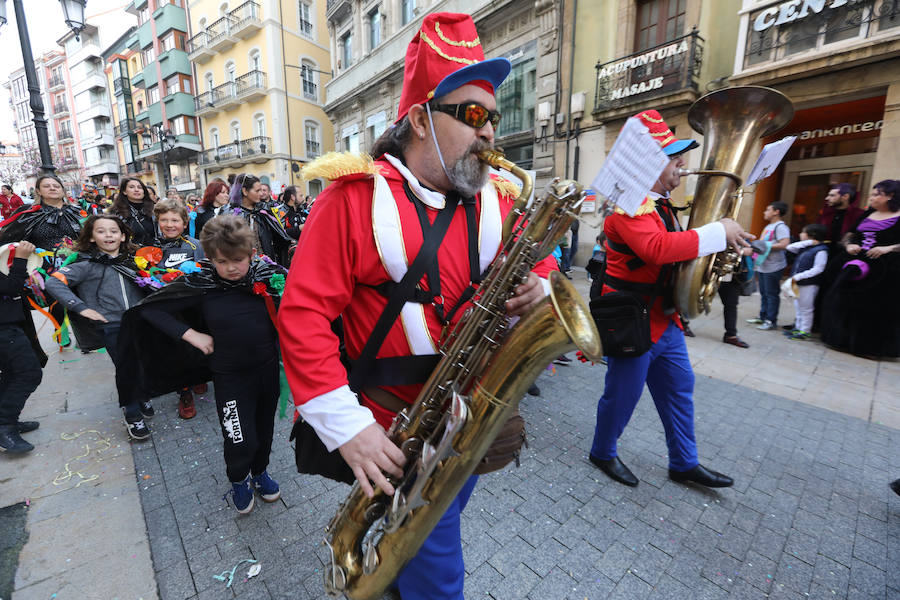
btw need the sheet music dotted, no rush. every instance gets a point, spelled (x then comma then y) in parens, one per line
(632, 167)
(769, 159)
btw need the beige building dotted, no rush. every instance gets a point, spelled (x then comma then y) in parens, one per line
(368, 44)
(259, 67)
(838, 61)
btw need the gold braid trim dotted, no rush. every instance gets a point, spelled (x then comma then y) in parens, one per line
(335, 165)
(647, 206)
(442, 54)
(472, 44)
(651, 119)
(505, 187)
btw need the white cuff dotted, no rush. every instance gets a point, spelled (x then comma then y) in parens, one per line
(337, 416)
(545, 282)
(712, 238)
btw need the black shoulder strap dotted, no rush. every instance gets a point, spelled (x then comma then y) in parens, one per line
(402, 292)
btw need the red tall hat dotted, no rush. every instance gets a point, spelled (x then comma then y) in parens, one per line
(446, 54)
(671, 145)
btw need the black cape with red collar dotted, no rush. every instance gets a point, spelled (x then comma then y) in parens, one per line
(152, 363)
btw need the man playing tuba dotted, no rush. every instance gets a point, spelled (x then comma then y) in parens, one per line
(364, 233)
(639, 249)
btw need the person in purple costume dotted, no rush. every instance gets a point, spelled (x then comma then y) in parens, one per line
(860, 307)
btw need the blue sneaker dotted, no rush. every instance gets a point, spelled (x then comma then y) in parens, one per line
(266, 487)
(242, 495)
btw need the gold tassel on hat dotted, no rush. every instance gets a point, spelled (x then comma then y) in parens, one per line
(335, 165)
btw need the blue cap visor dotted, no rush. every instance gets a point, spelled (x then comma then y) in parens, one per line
(679, 146)
(492, 70)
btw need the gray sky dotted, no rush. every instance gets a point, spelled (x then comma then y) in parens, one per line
(45, 26)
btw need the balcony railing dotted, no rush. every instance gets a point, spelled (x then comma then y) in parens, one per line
(221, 34)
(335, 10)
(121, 85)
(244, 87)
(136, 166)
(125, 127)
(65, 134)
(648, 74)
(256, 149)
(67, 161)
(850, 21)
(56, 81)
(60, 108)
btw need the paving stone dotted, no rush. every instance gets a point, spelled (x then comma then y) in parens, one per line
(616, 561)
(721, 569)
(650, 564)
(832, 576)
(794, 574)
(802, 546)
(870, 551)
(517, 584)
(866, 578)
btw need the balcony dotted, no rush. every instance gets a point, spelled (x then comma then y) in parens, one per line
(56, 82)
(245, 20)
(137, 166)
(220, 36)
(337, 10)
(121, 85)
(94, 79)
(97, 110)
(106, 165)
(88, 51)
(65, 135)
(255, 150)
(671, 70)
(60, 109)
(125, 127)
(198, 48)
(245, 88)
(138, 79)
(67, 162)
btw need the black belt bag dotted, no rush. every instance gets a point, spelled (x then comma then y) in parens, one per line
(623, 321)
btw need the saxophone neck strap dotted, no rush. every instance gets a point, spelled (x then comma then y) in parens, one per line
(403, 292)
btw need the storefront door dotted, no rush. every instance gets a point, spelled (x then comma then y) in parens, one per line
(806, 183)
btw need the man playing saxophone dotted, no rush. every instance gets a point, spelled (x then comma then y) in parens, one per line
(371, 224)
(641, 251)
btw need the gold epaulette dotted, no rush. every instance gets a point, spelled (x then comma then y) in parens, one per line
(335, 165)
(505, 187)
(647, 206)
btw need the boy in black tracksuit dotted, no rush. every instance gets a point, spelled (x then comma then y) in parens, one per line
(21, 358)
(233, 306)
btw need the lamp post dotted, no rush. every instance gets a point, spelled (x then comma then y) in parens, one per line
(74, 11)
(166, 142)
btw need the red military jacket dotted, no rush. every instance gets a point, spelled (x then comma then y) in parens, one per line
(646, 235)
(357, 237)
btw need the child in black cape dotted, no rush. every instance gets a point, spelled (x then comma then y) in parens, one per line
(223, 315)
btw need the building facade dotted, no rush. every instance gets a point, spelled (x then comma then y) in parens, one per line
(90, 109)
(368, 45)
(838, 61)
(162, 92)
(259, 66)
(56, 96)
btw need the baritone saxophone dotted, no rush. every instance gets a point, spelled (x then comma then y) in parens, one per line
(488, 363)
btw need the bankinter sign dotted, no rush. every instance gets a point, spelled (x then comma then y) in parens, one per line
(794, 10)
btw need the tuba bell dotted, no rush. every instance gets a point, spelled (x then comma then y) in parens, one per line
(732, 121)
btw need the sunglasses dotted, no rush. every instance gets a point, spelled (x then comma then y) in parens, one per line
(470, 113)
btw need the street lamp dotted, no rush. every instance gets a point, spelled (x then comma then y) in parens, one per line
(74, 11)
(166, 142)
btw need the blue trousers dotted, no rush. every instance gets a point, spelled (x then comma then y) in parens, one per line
(437, 571)
(769, 288)
(667, 371)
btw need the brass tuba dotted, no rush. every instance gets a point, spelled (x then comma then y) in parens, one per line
(487, 365)
(732, 121)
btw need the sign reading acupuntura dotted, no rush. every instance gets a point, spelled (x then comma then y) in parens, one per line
(794, 10)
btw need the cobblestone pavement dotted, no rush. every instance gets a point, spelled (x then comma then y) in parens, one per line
(810, 515)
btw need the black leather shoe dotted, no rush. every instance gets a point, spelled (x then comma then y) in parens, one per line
(26, 426)
(615, 469)
(534, 390)
(11, 441)
(895, 485)
(703, 476)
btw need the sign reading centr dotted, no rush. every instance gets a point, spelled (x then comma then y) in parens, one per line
(793, 10)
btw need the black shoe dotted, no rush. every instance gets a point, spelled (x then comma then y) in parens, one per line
(26, 426)
(788, 328)
(562, 359)
(615, 469)
(147, 410)
(534, 390)
(12, 442)
(137, 430)
(895, 485)
(703, 476)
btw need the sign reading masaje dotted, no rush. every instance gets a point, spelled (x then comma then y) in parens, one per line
(641, 60)
(794, 10)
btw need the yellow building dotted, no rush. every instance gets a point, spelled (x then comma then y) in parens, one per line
(258, 66)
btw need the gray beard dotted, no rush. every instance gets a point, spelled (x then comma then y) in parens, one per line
(468, 175)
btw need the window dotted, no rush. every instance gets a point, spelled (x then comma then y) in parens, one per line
(658, 21)
(315, 187)
(214, 137)
(177, 126)
(148, 55)
(209, 82)
(201, 24)
(311, 134)
(230, 71)
(516, 96)
(407, 10)
(173, 85)
(255, 63)
(308, 79)
(347, 50)
(259, 123)
(375, 126)
(168, 43)
(153, 94)
(351, 143)
(374, 28)
(144, 15)
(235, 131)
(305, 12)
(191, 126)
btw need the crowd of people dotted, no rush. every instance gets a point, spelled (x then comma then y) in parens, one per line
(181, 292)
